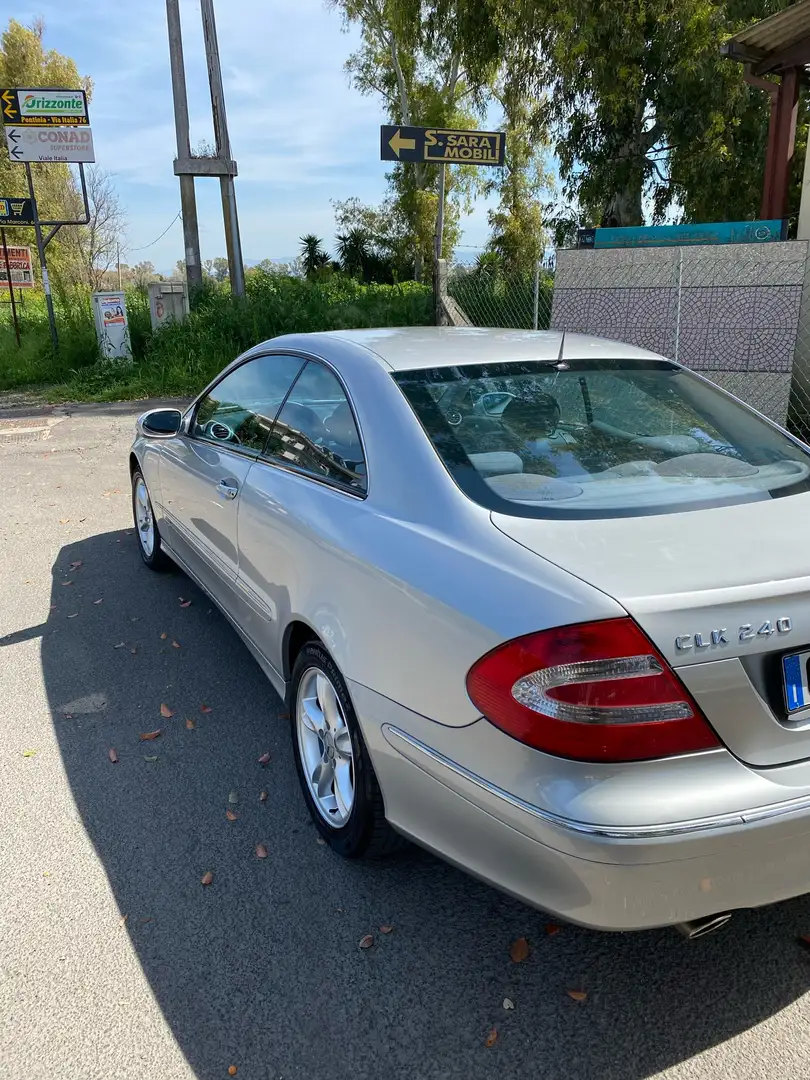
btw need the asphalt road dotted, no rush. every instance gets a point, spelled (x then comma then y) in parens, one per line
(115, 962)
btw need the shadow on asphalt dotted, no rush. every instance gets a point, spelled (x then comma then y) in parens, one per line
(262, 968)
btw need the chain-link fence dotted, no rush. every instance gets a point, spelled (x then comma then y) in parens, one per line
(488, 296)
(738, 314)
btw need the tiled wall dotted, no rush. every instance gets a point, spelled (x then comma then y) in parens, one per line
(730, 311)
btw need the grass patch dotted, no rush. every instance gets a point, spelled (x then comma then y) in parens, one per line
(181, 357)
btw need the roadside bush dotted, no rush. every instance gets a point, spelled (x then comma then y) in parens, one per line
(182, 357)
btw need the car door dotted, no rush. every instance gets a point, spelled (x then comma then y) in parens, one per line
(299, 493)
(203, 469)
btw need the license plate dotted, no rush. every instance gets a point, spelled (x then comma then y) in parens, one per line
(797, 691)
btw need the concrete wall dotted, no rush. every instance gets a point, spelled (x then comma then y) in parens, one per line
(730, 312)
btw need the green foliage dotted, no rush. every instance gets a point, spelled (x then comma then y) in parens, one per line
(181, 357)
(410, 57)
(639, 99)
(313, 257)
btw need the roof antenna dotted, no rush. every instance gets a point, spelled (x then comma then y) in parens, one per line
(560, 364)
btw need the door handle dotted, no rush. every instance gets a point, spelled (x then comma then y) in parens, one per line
(227, 489)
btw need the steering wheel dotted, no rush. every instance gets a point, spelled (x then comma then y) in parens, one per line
(215, 429)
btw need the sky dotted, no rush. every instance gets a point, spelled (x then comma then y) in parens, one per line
(301, 135)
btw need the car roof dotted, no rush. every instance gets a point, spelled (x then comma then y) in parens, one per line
(412, 347)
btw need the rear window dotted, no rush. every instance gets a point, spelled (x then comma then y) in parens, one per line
(599, 439)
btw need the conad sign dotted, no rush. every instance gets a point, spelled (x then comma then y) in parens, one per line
(50, 143)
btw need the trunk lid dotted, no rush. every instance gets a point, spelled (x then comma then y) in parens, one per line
(724, 593)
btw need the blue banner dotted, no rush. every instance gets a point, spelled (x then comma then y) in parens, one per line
(718, 232)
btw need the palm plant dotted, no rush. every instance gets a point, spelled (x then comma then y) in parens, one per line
(354, 250)
(313, 256)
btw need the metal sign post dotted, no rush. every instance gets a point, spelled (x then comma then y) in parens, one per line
(10, 287)
(46, 285)
(443, 147)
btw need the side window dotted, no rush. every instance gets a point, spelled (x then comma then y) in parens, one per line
(239, 411)
(316, 431)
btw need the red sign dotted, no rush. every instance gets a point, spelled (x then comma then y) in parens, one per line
(22, 268)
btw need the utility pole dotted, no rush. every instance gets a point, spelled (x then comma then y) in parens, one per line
(188, 201)
(234, 245)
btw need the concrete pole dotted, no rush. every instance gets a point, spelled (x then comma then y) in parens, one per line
(233, 243)
(188, 200)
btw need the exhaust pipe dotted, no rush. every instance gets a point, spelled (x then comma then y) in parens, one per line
(701, 927)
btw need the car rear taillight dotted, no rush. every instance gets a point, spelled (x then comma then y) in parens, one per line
(597, 691)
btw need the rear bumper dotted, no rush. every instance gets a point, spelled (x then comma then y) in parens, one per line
(623, 877)
(627, 883)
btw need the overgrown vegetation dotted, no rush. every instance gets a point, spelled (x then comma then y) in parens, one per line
(180, 358)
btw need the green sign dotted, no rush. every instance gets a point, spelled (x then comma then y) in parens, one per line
(445, 146)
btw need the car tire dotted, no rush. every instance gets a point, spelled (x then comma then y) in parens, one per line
(360, 830)
(146, 528)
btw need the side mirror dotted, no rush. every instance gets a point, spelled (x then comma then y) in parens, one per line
(160, 423)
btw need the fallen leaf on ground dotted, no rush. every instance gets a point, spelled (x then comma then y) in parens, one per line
(552, 928)
(112, 755)
(366, 942)
(75, 565)
(163, 636)
(122, 920)
(120, 645)
(67, 583)
(190, 725)
(175, 644)
(508, 1003)
(100, 599)
(153, 757)
(186, 603)
(133, 651)
(262, 796)
(147, 736)
(231, 815)
(320, 840)
(577, 995)
(492, 1038)
(205, 708)
(233, 798)
(232, 1070)
(207, 878)
(29, 753)
(64, 521)
(284, 716)
(519, 950)
(386, 929)
(166, 712)
(261, 851)
(75, 615)
(146, 920)
(264, 759)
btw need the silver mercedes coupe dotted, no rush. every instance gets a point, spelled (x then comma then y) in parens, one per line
(539, 602)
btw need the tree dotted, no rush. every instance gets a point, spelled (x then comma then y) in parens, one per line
(519, 235)
(95, 247)
(353, 251)
(313, 257)
(142, 274)
(410, 55)
(180, 269)
(216, 268)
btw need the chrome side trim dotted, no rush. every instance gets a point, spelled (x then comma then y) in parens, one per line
(616, 832)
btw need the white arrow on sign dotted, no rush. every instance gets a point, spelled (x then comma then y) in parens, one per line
(50, 144)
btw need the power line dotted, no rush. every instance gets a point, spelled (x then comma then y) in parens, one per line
(145, 246)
